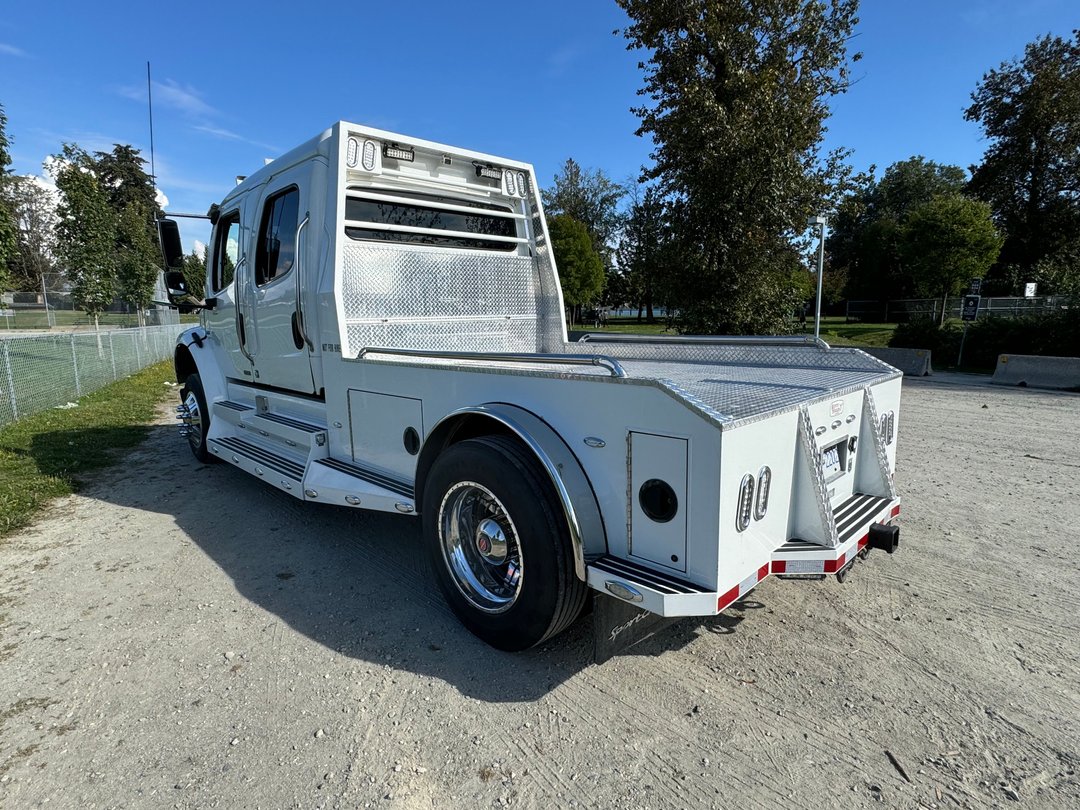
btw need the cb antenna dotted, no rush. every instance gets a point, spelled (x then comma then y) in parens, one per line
(150, 106)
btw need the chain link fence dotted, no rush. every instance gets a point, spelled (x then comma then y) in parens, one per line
(899, 311)
(43, 371)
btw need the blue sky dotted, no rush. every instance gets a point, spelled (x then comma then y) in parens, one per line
(236, 83)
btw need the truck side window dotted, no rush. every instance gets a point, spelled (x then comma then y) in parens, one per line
(276, 251)
(226, 251)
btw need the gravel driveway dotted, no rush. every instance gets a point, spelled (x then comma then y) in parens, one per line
(185, 636)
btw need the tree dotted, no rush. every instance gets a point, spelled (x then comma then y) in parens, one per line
(136, 258)
(738, 95)
(581, 271)
(86, 232)
(946, 242)
(8, 242)
(195, 273)
(644, 250)
(133, 199)
(35, 221)
(590, 197)
(1029, 110)
(865, 235)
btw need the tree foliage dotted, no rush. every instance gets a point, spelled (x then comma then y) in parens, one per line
(86, 231)
(738, 95)
(131, 195)
(866, 235)
(195, 273)
(8, 242)
(647, 252)
(35, 219)
(581, 271)
(1029, 110)
(590, 197)
(948, 241)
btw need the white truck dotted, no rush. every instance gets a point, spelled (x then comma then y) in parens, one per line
(383, 329)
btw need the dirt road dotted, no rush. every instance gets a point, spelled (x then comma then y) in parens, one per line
(184, 636)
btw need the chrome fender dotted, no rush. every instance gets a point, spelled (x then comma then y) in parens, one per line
(580, 507)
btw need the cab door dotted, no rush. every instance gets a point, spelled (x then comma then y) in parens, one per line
(225, 285)
(282, 253)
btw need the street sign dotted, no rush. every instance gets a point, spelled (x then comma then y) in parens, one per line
(970, 309)
(1029, 290)
(976, 286)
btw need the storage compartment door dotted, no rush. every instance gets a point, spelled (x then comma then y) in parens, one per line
(658, 499)
(387, 431)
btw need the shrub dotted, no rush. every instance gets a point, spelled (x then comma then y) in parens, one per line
(924, 333)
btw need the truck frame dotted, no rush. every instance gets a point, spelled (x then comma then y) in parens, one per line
(383, 328)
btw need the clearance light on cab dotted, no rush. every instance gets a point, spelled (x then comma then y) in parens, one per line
(367, 158)
(490, 172)
(396, 152)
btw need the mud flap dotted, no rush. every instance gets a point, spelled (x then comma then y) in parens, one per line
(619, 625)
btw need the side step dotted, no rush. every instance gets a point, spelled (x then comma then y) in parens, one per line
(656, 592)
(331, 480)
(282, 472)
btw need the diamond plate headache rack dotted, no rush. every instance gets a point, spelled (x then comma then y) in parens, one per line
(610, 363)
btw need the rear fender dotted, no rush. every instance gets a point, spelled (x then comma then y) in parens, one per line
(575, 494)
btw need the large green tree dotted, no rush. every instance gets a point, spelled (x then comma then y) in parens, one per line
(132, 197)
(590, 197)
(86, 231)
(1029, 110)
(737, 97)
(581, 271)
(8, 241)
(866, 234)
(946, 242)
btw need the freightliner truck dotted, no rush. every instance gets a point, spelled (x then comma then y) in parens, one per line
(383, 328)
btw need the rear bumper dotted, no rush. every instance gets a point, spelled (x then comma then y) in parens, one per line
(665, 595)
(800, 557)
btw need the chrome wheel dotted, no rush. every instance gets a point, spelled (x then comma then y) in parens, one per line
(190, 420)
(480, 545)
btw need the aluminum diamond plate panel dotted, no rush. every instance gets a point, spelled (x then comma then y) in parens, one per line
(445, 299)
(739, 390)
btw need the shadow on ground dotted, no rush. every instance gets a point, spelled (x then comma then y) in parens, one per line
(356, 582)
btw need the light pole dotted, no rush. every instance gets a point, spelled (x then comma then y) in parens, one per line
(812, 222)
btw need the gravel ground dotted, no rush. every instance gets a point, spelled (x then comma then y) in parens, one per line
(184, 636)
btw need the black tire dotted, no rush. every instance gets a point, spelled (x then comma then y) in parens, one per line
(549, 596)
(197, 428)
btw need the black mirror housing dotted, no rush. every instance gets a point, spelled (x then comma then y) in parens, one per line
(172, 251)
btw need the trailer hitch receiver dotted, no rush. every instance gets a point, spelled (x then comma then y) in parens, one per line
(884, 536)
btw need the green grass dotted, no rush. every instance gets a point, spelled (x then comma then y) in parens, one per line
(67, 319)
(45, 456)
(834, 330)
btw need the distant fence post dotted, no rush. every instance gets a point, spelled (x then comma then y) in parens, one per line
(11, 382)
(75, 365)
(112, 354)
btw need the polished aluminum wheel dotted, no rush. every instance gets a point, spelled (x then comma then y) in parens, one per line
(191, 419)
(480, 546)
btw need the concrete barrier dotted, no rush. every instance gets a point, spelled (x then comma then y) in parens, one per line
(913, 362)
(1037, 372)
